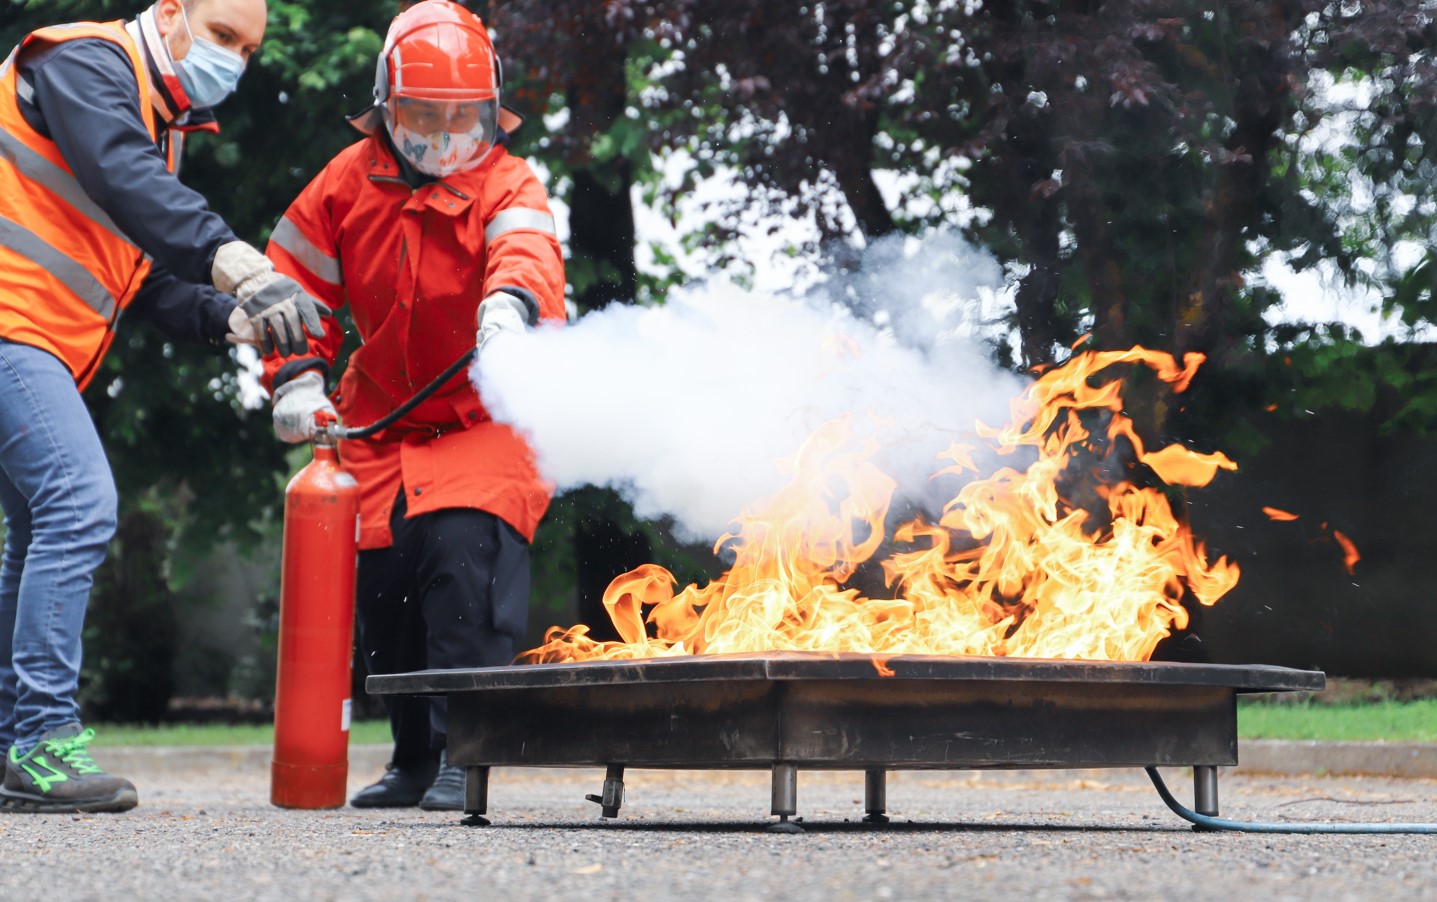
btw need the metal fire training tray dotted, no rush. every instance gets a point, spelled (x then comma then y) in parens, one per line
(789, 710)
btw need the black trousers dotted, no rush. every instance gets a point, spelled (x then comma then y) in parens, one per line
(452, 591)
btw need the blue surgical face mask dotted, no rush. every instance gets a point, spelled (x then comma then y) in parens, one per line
(209, 73)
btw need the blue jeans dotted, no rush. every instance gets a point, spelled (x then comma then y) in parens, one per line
(60, 507)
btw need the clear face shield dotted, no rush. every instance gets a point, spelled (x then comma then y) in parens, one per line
(442, 137)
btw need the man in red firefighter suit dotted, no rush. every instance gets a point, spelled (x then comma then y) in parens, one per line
(425, 229)
(95, 225)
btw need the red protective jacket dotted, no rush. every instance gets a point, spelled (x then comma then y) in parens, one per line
(413, 266)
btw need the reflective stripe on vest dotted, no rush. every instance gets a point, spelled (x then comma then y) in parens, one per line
(41, 171)
(516, 218)
(74, 276)
(324, 267)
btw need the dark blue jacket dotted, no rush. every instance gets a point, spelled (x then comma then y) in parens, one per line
(86, 101)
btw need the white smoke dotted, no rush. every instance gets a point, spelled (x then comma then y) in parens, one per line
(686, 408)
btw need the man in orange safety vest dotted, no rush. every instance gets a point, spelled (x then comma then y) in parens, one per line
(96, 227)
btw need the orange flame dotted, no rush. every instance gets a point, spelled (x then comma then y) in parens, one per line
(1350, 557)
(1278, 515)
(1013, 566)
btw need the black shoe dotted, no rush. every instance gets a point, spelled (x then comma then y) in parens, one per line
(59, 776)
(400, 787)
(447, 792)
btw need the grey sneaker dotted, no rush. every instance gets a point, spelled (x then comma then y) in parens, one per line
(59, 776)
(446, 793)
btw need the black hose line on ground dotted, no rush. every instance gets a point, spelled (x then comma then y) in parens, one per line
(419, 396)
(1221, 823)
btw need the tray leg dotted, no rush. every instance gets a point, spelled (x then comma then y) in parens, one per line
(476, 796)
(613, 798)
(1205, 789)
(1205, 793)
(875, 796)
(785, 798)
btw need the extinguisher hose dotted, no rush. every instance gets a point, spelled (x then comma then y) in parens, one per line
(390, 418)
(1206, 822)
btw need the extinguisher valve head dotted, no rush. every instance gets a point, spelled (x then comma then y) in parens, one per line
(327, 431)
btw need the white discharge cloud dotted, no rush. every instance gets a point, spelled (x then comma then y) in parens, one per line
(686, 408)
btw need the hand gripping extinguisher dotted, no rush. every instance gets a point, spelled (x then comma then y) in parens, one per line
(316, 616)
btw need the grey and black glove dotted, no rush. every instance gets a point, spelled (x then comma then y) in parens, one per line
(279, 310)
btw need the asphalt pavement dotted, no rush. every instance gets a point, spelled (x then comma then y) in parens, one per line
(205, 830)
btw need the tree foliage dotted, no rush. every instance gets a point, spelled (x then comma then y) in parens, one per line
(1134, 162)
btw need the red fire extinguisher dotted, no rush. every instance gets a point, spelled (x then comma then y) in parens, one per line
(316, 631)
(316, 615)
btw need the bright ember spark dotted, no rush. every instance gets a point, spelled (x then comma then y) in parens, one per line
(1013, 566)
(1350, 557)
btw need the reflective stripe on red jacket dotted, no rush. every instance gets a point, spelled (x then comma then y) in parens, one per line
(413, 265)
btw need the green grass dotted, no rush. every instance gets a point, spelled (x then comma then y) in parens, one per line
(1392, 721)
(363, 731)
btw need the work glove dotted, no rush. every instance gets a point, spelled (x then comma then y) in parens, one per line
(241, 331)
(500, 313)
(279, 310)
(295, 404)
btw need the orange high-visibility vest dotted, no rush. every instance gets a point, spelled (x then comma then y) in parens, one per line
(66, 270)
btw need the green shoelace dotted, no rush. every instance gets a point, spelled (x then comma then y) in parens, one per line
(72, 751)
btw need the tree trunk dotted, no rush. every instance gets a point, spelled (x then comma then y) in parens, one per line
(601, 235)
(602, 267)
(853, 168)
(1206, 318)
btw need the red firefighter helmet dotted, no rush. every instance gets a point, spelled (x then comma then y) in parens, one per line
(436, 86)
(437, 50)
